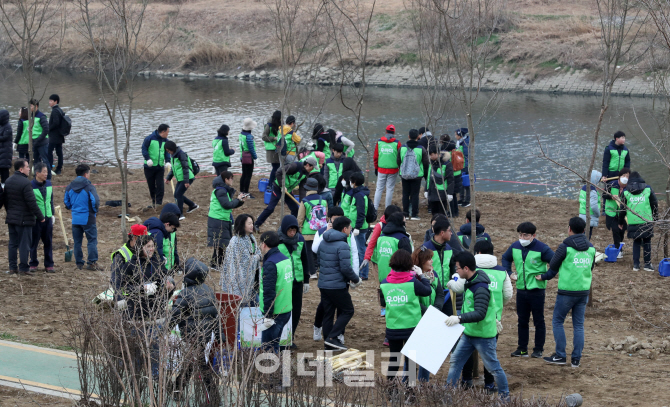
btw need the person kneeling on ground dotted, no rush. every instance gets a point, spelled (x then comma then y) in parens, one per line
(164, 233)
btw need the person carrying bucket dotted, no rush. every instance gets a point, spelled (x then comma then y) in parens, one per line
(641, 210)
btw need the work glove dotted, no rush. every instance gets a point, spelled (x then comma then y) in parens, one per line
(356, 232)
(457, 286)
(150, 288)
(513, 277)
(53, 220)
(266, 324)
(452, 320)
(499, 327)
(121, 305)
(417, 270)
(425, 194)
(354, 285)
(450, 198)
(150, 163)
(305, 288)
(364, 264)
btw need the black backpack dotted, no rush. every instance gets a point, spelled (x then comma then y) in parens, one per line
(195, 166)
(371, 214)
(65, 124)
(467, 239)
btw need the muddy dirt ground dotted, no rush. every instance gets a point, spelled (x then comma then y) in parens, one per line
(625, 303)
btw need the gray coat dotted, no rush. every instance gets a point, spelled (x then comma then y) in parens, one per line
(594, 204)
(219, 232)
(271, 156)
(335, 261)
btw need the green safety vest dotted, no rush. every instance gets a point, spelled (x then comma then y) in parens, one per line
(348, 151)
(326, 150)
(528, 269)
(418, 152)
(388, 154)
(292, 181)
(485, 328)
(283, 300)
(219, 155)
(294, 257)
(582, 201)
(125, 252)
(497, 278)
(37, 130)
(156, 152)
(308, 215)
(243, 143)
(290, 145)
(611, 207)
(353, 212)
(641, 205)
(168, 250)
(346, 203)
(403, 310)
(334, 173)
(441, 267)
(216, 211)
(44, 204)
(427, 301)
(177, 170)
(269, 145)
(617, 160)
(575, 271)
(386, 246)
(441, 170)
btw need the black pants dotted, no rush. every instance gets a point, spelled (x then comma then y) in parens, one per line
(274, 200)
(20, 238)
(590, 232)
(154, 176)
(296, 297)
(179, 197)
(465, 192)
(469, 368)
(333, 300)
(531, 302)
(454, 207)
(42, 231)
(23, 152)
(646, 243)
(320, 310)
(59, 153)
(4, 174)
(41, 153)
(395, 346)
(617, 234)
(410, 193)
(221, 167)
(436, 207)
(458, 189)
(218, 256)
(245, 179)
(273, 174)
(308, 247)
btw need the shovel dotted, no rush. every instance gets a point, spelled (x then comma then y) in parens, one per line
(68, 252)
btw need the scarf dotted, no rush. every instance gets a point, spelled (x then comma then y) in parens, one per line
(239, 267)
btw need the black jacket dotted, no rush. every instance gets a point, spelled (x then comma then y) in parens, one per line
(20, 202)
(479, 285)
(55, 122)
(291, 244)
(219, 232)
(399, 231)
(359, 194)
(443, 163)
(578, 242)
(292, 169)
(184, 160)
(425, 160)
(6, 148)
(349, 167)
(270, 260)
(645, 230)
(225, 146)
(335, 255)
(606, 159)
(195, 309)
(43, 138)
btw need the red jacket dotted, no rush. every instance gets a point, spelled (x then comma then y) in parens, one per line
(372, 243)
(388, 138)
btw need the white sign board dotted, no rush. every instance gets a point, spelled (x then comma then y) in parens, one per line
(432, 341)
(250, 335)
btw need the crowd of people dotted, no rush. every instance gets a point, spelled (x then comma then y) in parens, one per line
(333, 233)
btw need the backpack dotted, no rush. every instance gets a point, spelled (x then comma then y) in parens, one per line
(409, 169)
(318, 217)
(467, 239)
(371, 214)
(457, 160)
(195, 166)
(65, 124)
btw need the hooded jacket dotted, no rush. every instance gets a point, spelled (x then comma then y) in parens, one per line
(490, 262)
(55, 122)
(425, 160)
(388, 139)
(645, 230)
(335, 269)
(82, 199)
(421, 289)
(358, 195)
(607, 155)
(6, 148)
(291, 169)
(184, 160)
(578, 242)
(158, 232)
(479, 285)
(269, 277)
(145, 148)
(291, 244)
(465, 143)
(20, 202)
(195, 309)
(219, 232)
(399, 232)
(595, 200)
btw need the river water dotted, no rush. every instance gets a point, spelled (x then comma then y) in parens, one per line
(507, 138)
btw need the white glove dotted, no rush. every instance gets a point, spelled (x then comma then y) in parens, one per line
(121, 305)
(457, 286)
(267, 323)
(364, 264)
(150, 163)
(356, 232)
(53, 220)
(354, 285)
(425, 194)
(150, 288)
(455, 276)
(305, 288)
(499, 327)
(450, 198)
(452, 320)
(513, 277)
(417, 270)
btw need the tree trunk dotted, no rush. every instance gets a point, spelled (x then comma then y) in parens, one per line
(471, 175)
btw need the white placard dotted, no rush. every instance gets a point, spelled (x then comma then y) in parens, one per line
(432, 340)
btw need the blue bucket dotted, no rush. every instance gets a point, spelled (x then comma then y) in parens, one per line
(297, 197)
(263, 184)
(267, 196)
(664, 268)
(611, 254)
(466, 179)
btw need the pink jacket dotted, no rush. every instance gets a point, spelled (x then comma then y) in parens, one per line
(373, 238)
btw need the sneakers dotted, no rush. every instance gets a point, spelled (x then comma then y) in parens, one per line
(648, 267)
(519, 354)
(636, 267)
(335, 344)
(33, 269)
(293, 346)
(620, 255)
(490, 388)
(383, 312)
(340, 338)
(50, 270)
(414, 218)
(386, 342)
(93, 267)
(80, 266)
(192, 209)
(182, 217)
(537, 354)
(555, 360)
(313, 277)
(465, 204)
(574, 362)
(12, 272)
(317, 334)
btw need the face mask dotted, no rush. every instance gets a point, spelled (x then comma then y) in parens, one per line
(344, 183)
(524, 242)
(623, 180)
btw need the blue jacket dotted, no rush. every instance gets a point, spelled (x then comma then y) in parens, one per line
(145, 147)
(360, 193)
(335, 261)
(291, 244)
(606, 159)
(466, 229)
(465, 142)
(250, 144)
(82, 199)
(535, 245)
(42, 187)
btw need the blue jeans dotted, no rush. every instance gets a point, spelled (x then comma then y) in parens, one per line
(487, 350)
(565, 303)
(179, 197)
(360, 242)
(271, 336)
(91, 232)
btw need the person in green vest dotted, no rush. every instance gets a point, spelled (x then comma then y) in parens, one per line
(222, 150)
(312, 215)
(530, 258)
(478, 315)
(322, 139)
(439, 182)
(615, 157)
(594, 204)
(357, 211)
(270, 138)
(639, 211)
(401, 293)
(292, 245)
(615, 192)
(164, 232)
(182, 171)
(21, 140)
(41, 143)
(394, 237)
(411, 187)
(333, 167)
(276, 288)
(574, 259)
(386, 165)
(155, 155)
(43, 231)
(220, 217)
(288, 143)
(248, 149)
(442, 255)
